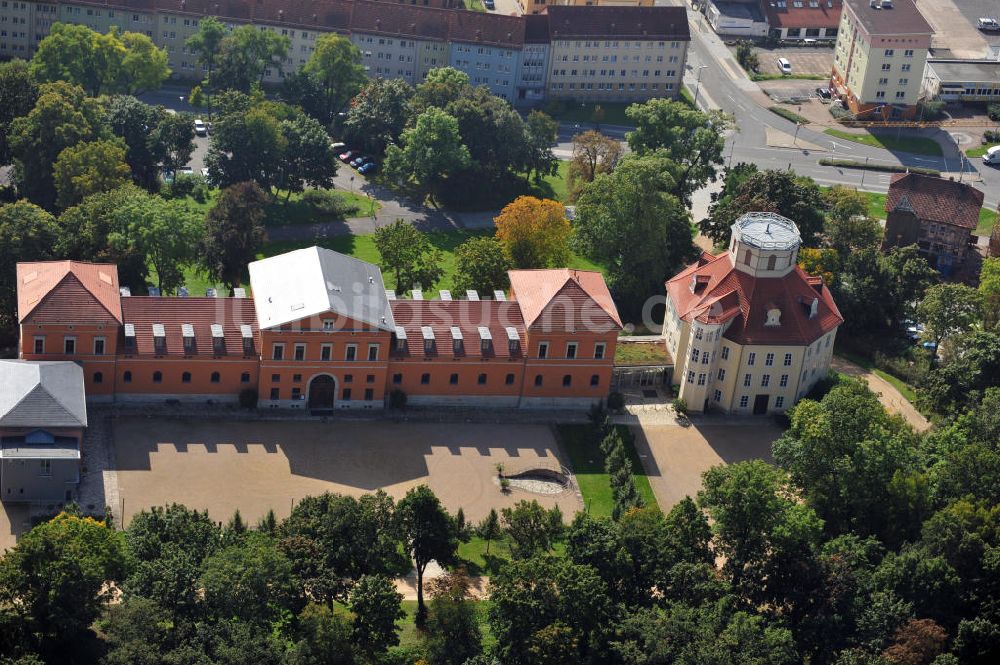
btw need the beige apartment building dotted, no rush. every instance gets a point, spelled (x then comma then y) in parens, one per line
(749, 331)
(879, 57)
(616, 53)
(538, 6)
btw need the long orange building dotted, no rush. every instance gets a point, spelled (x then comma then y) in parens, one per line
(321, 332)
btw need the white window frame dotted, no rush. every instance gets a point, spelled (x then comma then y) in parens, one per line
(295, 352)
(104, 346)
(576, 348)
(275, 352)
(34, 344)
(599, 350)
(372, 347)
(543, 350)
(351, 352)
(66, 340)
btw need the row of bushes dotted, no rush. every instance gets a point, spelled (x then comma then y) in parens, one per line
(886, 168)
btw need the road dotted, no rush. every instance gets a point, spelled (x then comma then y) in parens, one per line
(720, 83)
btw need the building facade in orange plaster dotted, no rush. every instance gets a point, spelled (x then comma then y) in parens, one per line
(321, 332)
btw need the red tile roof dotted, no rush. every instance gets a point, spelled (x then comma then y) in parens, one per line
(483, 28)
(564, 299)
(201, 313)
(804, 17)
(569, 22)
(47, 290)
(727, 294)
(935, 199)
(467, 315)
(405, 20)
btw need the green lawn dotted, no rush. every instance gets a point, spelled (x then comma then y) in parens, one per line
(917, 145)
(978, 151)
(295, 211)
(554, 186)
(477, 562)
(363, 247)
(905, 389)
(640, 353)
(614, 113)
(474, 5)
(409, 636)
(587, 461)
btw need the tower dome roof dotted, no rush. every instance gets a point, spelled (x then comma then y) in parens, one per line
(767, 230)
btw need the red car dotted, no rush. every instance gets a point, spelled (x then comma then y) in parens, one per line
(349, 155)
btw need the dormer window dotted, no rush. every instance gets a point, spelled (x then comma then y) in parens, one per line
(457, 341)
(813, 308)
(400, 339)
(773, 317)
(159, 339)
(485, 341)
(218, 340)
(246, 332)
(428, 334)
(187, 330)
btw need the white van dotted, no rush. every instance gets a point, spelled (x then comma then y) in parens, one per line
(992, 155)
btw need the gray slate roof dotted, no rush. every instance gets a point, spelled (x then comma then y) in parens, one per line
(311, 281)
(42, 394)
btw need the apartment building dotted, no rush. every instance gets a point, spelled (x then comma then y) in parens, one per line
(616, 53)
(879, 57)
(321, 332)
(511, 55)
(750, 332)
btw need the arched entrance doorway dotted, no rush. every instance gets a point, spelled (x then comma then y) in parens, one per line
(322, 392)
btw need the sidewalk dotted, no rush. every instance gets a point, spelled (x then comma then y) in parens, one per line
(890, 398)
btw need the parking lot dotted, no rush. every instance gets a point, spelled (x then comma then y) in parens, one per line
(954, 23)
(816, 60)
(256, 466)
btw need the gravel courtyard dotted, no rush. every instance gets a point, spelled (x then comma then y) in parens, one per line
(222, 465)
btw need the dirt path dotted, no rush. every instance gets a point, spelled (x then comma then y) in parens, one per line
(891, 398)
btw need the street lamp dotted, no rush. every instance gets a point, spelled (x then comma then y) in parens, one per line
(697, 85)
(863, 173)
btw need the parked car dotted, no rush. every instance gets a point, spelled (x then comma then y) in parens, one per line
(168, 176)
(489, 4)
(346, 157)
(338, 147)
(784, 66)
(357, 162)
(992, 156)
(368, 167)
(989, 24)
(200, 128)
(824, 93)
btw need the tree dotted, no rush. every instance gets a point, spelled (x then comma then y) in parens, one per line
(376, 607)
(795, 197)
(948, 310)
(234, 232)
(135, 123)
(632, 202)
(593, 154)
(848, 455)
(431, 151)
(245, 54)
(60, 576)
(247, 146)
(251, 581)
(848, 227)
(333, 541)
(756, 517)
(534, 233)
(335, 65)
(689, 138)
(62, 117)
(480, 265)
(18, 94)
(531, 595)
(309, 160)
(989, 291)
(440, 87)
(960, 383)
(325, 638)
(89, 168)
(530, 528)
(206, 43)
(136, 632)
(167, 233)
(489, 528)
(172, 140)
(27, 233)
(542, 134)
(409, 255)
(492, 130)
(101, 64)
(428, 535)
(453, 634)
(378, 114)
(166, 548)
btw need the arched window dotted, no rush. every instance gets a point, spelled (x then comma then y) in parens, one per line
(245, 377)
(185, 377)
(594, 379)
(567, 380)
(771, 260)
(157, 377)
(746, 257)
(216, 377)
(127, 377)
(98, 377)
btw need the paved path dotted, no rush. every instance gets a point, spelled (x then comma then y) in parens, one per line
(890, 398)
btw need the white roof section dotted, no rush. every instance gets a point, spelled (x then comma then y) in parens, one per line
(427, 332)
(767, 230)
(400, 332)
(130, 330)
(42, 394)
(444, 294)
(159, 330)
(187, 330)
(390, 294)
(217, 330)
(499, 295)
(239, 292)
(417, 294)
(456, 333)
(472, 294)
(310, 281)
(512, 334)
(246, 331)
(484, 333)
